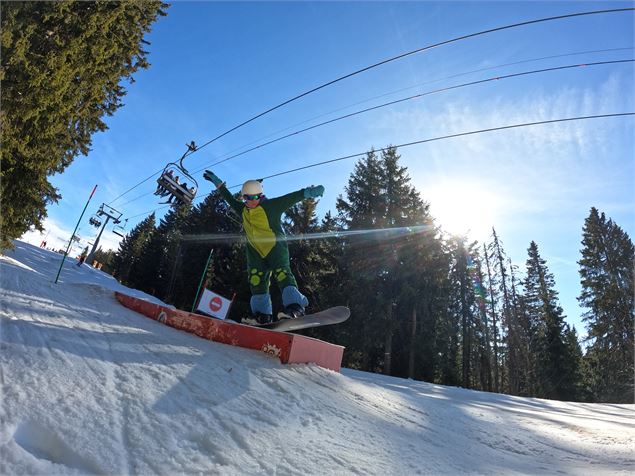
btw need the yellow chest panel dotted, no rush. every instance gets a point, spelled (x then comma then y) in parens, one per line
(259, 233)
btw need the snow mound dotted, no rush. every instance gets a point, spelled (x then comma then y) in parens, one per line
(90, 387)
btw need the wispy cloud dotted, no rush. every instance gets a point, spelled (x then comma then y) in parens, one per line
(534, 165)
(579, 138)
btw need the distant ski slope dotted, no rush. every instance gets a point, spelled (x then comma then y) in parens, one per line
(91, 387)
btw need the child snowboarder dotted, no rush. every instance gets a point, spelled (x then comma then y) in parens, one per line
(267, 250)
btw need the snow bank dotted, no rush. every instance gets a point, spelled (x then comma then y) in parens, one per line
(90, 387)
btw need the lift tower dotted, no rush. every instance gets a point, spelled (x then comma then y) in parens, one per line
(108, 212)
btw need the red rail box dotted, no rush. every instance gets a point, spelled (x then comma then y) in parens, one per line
(289, 348)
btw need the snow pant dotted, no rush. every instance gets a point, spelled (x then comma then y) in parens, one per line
(259, 271)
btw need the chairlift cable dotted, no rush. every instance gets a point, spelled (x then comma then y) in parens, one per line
(606, 50)
(410, 53)
(423, 141)
(416, 96)
(436, 80)
(452, 136)
(394, 58)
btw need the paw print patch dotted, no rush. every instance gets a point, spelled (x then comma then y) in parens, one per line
(281, 274)
(255, 277)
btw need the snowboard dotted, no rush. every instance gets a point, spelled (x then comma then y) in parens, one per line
(332, 315)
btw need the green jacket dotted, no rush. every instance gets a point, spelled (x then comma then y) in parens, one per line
(263, 224)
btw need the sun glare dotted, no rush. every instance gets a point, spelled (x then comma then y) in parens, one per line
(462, 208)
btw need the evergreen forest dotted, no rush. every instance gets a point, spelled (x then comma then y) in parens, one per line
(424, 305)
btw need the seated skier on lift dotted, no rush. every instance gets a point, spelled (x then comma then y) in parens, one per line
(161, 190)
(267, 250)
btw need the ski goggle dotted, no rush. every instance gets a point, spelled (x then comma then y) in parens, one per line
(252, 197)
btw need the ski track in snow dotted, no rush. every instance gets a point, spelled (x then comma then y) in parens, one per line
(90, 387)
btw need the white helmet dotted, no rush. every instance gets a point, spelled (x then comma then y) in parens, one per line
(251, 187)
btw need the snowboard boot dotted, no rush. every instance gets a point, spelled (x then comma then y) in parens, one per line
(292, 311)
(258, 319)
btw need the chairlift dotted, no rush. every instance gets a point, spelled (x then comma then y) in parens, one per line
(95, 221)
(176, 180)
(119, 229)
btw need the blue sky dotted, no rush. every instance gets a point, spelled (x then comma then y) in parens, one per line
(217, 64)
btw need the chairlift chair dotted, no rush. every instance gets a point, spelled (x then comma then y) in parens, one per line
(184, 190)
(95, 221)
(119, 229)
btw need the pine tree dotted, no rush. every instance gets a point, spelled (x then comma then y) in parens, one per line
(485, 356)
(463, 305)
(606, 272)
(62, 69)
(130, 248)
(554, 376)
(493, 296)
(384, 268)
(160, 258)
(210, 227)
(525, 337)
(307, 263)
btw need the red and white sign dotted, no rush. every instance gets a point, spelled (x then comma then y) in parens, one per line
(214, 304)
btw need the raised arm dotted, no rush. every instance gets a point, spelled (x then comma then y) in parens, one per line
(222, 189)
(290, 199)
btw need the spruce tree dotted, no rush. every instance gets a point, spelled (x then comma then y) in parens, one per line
(492, 309)
(155, 270)
(130, 248)
(511, 343)
(105, 259)
(575, 366)
(383, 268)
(63, 67)
(363, 208)
(554, 376)
(209, 227)
(606, 272)
(485, 355)
(328, 279)
(463, 309)
(525, 336)
(307, 263)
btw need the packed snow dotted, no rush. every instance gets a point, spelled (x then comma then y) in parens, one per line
(90, 387)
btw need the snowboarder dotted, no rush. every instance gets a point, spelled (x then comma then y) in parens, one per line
(83, 256)
(267, 250)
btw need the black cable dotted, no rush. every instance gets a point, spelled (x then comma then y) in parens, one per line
(416, 96)
(409, 53)
(408, 144)
(451, 136)
(394, 58)
(133, 187)
(464, 73)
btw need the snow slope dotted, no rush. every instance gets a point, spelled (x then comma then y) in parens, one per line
(89, 386)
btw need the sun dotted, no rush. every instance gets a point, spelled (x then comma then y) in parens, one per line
(463, 208)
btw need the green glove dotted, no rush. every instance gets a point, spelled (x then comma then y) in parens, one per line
(211, 176)
(313, 192)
